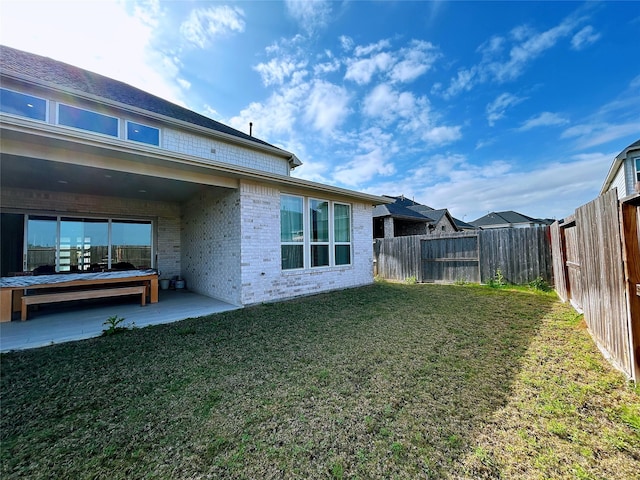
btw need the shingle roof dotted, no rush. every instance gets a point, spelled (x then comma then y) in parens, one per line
(508, 217)
(398, 210)
(13, 61)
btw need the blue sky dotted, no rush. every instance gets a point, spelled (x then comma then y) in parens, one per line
(470, 106)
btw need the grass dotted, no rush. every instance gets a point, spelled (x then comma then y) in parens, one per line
(385, 381)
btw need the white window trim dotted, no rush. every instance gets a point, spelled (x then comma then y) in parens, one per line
(636, 162)
(46, 106)
(307, 243)
(335, 242)
(304, 235)
(126, 133)
(93, 132)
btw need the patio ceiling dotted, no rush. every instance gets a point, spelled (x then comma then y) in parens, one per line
(39, 174)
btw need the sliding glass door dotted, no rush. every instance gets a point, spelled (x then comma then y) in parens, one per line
(71, 244)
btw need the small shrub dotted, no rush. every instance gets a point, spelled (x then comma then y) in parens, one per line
(114, 325)
(540, 284)
(498, 281)
(411, 280)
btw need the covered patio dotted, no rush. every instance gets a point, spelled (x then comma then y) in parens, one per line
(59, 323)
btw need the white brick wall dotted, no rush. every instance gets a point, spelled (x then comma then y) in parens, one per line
(166, 216)
(208, 149)
(211, 244)
(263, 279)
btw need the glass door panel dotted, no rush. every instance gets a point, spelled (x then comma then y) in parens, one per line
(42, 235)
(130, 244)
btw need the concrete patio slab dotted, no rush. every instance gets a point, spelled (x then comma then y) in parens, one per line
(58, 323)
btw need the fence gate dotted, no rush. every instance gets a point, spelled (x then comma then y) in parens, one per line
(451, 259)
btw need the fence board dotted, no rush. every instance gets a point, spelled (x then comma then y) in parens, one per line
(522, 255)
(559, 255)
(603, 282)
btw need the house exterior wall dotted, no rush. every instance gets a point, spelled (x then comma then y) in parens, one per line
(620, 182)
(165, 215)
(630, 171)
(171, 138)
(262, 277)
(444, 226)
(211, 244)
(208, 149)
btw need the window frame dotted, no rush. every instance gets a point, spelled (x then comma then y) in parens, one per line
(308, 243)
(300, 243)
(46, 106)
(636, 164)
(80, 129)
(110, 220)
(126, 133)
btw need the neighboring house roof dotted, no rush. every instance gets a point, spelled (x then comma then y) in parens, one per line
(411, 210)
(615, 165)
(397, 210)
(506, 218)
(22, 64)
(463, 225)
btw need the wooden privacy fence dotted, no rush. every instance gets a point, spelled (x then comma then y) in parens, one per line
(596, 264)
(520, 254)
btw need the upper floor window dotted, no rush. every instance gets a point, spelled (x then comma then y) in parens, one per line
(87, 120)
(23, 105)
(143, 133)
(637, 160)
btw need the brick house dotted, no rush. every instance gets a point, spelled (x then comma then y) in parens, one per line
(406, 217)
(95, 172)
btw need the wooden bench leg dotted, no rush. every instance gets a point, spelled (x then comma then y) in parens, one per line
(23, 314)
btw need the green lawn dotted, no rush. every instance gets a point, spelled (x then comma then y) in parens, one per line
(384, 381)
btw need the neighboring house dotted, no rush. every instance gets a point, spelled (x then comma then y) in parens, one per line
(509, 219)
(624, 173)
(95, 173)
(406, 217)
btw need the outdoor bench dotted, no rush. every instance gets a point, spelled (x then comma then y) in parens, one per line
(82, 295)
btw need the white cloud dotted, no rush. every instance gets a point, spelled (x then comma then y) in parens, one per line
(592, 134)
(527, 45)
(277, 70)
(327, 106)
(464, 81)
(584, 38)
(361, 51)
(310, 14)
(496, 109)
(417, 59)
(470, 191)
(204, 24)
(346, 43)
(361, 71)
(363, 168)
(442, 135)
(544, 119)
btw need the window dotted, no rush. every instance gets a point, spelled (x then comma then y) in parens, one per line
(637, 161)
(70, 244)
(87, 120)
(143, 133)
(314, 233)
(342, 233)
(319, 231)
(23, 105)
(292, 232)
